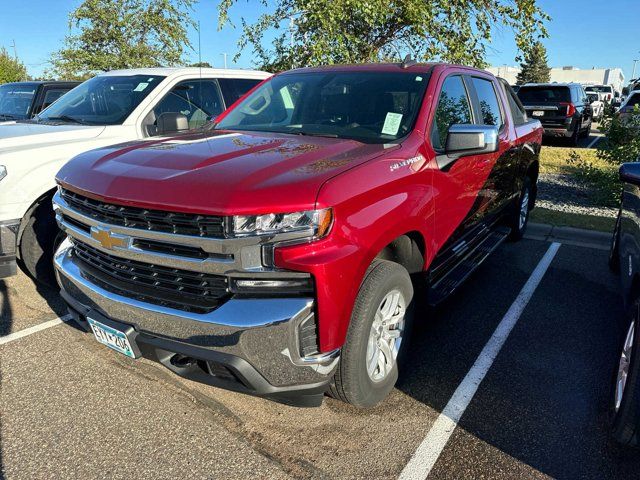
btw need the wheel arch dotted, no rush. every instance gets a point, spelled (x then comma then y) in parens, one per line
(408, 250)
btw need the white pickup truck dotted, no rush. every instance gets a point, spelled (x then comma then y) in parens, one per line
(113, 107)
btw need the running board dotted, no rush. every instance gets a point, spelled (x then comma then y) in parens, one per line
(446, 285)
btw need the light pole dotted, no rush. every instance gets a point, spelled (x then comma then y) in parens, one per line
(225, 59)
(633, 75)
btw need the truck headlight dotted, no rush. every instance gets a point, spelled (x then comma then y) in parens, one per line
(3, 171)
(316, 222)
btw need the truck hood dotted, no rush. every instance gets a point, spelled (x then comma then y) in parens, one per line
(217, 172)
(19, 136)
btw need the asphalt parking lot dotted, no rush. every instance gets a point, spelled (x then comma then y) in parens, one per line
(71, 408)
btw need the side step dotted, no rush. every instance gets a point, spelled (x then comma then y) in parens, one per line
(446, 285)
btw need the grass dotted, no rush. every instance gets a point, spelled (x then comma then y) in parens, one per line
(557, 160)
(576, 220)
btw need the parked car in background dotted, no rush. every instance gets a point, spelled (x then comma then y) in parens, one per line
(625, 259)
(515, 88)
(563, 109)
(597, 105)
(630, 104)
(110, 108)
(277, 254)
(607, 91)
(23, 100)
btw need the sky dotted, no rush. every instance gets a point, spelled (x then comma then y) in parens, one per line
(583, 33)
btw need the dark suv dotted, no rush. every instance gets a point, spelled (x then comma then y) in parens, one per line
(562, 108)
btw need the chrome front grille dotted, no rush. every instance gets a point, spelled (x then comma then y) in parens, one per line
(181, 289)
(210, 226)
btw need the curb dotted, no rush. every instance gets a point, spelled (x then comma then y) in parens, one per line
(569, 235)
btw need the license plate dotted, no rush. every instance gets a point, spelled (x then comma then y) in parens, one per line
(538, 113)
(111, 337)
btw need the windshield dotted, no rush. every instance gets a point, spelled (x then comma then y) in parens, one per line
(544, 94)
(103, 100)
(372, 107)
(15, 100)
(593, 97)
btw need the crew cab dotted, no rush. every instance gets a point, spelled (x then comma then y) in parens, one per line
(24, 100)
(280, 252)
(563, 108)
(110, 108)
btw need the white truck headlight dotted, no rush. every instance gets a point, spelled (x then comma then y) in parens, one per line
(3, 171)
(316, 222)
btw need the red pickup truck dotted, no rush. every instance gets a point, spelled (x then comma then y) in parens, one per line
(279, 251)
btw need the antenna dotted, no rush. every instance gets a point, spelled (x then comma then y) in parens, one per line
(408, 62)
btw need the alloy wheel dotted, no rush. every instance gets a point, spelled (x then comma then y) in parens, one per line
(386, 335)
(624, 364)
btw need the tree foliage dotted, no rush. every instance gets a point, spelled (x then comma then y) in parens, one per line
(314, 32)
(11, 69)
(113, 34)
(534, 68)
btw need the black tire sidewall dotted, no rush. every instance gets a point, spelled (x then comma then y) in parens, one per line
(382, 277)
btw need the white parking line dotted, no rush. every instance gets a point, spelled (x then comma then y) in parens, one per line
(593, 142)
(429, 451)
(37, 328)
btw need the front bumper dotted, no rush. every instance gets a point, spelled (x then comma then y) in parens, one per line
(8, 237)
(249, 345)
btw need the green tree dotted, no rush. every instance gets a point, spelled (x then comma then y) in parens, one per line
(534, 68)
(314, 32)
(113, 34)
(11, 69)
(201, 64)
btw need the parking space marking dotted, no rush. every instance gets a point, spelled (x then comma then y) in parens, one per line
(36, 328)
(429, 450)
(593, 142)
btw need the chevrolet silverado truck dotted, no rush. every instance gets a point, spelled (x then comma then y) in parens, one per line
(280, 252)
(110, 108)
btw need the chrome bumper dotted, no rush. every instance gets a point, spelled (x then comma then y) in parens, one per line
(261, 331)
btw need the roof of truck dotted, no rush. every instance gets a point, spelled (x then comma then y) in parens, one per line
(369, 67)
(175, 71)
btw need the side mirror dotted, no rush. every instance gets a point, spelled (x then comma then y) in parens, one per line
(171, 122)
(465, 140)
(630, 173)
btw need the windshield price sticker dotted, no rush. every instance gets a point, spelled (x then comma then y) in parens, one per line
(392, 123)
(141, 86)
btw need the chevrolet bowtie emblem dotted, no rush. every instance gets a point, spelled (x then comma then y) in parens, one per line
(108, 239)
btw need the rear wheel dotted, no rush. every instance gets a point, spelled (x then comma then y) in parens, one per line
(39, 239)
(625, 396)
(520, 216)
(377, 336)
(575, 137)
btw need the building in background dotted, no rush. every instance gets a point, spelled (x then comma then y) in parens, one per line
(595, 76)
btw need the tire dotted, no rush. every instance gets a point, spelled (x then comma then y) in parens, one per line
(517, 222)
(624, 417)
(355, 382)
(575, 138)
(39, 240)
(587, 131)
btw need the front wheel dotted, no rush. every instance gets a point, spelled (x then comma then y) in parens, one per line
(625, 396)
(38, 242)
(377, 336)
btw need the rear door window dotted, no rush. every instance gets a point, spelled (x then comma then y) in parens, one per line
(489, 105)
(518, 113)
(453, 108)
(533, 95)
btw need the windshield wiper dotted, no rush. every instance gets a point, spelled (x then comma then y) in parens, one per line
(310, 134)
(6, 116)
(64, 118)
